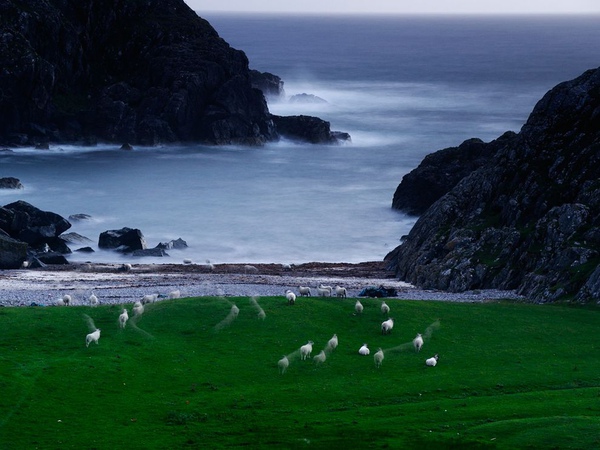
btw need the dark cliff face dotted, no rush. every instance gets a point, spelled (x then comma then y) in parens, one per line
(122, 71)
(529, 217)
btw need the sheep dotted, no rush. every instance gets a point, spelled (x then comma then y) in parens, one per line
(210, 266)
(66, 299)
(187, 261)
(291, 297)
(418, 343)
(149, 298)
(324, 291)
(92, 337)
(250, 269)
(364, 350)
(378, 357)
(175, 294)
(341, 292)
(125, 267)
(138, 309)
(304, 291)
(234, 311)
(320, 358)
(261, 314)
(123, 318)
(93, 300)
(358, 307)
(432, 361)
(306, 350)
(387, 325)
(333, 342)
(283, 364)
(385, 309)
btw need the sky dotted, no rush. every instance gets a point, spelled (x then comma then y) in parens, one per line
(401, 6)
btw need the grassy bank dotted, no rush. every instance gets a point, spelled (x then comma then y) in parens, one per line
(509, 376)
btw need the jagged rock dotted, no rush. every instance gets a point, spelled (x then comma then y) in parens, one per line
(12, 252)
(125, 240)
(529, 217)
(156, 252)
(10, 183)
(306, 98)
(85, 250)
(51, 258)
(177, 244)
(308, 129)
(270, 85)
(74, 238)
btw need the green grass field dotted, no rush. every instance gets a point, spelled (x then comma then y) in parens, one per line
(509, 376)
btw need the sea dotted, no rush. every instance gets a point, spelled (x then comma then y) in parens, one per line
(402, 86)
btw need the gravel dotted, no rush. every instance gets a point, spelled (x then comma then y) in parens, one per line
(112, 285)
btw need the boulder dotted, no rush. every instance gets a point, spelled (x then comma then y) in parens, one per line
(156, 252)
(125, 240)
(270, 85)
(12, 252)
(79, 217)
(51, 258)
(307, 129)
(307, 98)
(10, 183)
(178, 244)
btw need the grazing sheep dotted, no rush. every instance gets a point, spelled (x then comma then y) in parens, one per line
(283, 364)
(432, 361)
(234, 311)
(66, 299)
(387, 325)
(149, 298)
(250, 269)
(93, 300)
(320, 358)
(125, 267)
(385, 309)
(123, 318)
(358, 307)
(364, 350)
(209, 265)
(92, 337)
(138, 309)
(378, 357)
(306, 350)
(291, 297)
(324, 291)
(304, 291)
(175, 294)
(261, 314)
(187, 261)
(341, 292)
(333, 342)
(418, 343)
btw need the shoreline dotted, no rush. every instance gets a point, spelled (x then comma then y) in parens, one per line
(113, 285)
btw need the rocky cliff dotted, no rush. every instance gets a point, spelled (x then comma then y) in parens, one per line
(137, 71)
(522, 213)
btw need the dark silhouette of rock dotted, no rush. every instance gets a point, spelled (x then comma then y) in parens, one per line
(307, 98)
(178, 244)
(270, 85)
(156, 252)
(308, 129)
(10, 183)
(85, 250)
(529, 217)
(125, 240)
(79, 217)
(51, 258)
(12, 252)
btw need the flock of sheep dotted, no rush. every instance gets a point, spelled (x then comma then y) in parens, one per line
(386, 328)
(305, 350)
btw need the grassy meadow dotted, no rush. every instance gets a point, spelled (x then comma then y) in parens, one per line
(510, 375)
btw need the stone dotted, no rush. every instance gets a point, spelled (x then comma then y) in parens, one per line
(12, 252)
(10, 183)
(125, 240)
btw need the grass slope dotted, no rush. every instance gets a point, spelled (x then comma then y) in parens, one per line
(509, 376)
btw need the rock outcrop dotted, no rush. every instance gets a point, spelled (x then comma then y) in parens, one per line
(135, 72)
(269, 84)
(125, 240)
(528, 218)
(10, 183)
(308, 129)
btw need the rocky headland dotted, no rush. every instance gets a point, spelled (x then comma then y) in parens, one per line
(133, 72)
(521, 212)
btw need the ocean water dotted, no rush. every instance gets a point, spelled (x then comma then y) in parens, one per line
(401, 86)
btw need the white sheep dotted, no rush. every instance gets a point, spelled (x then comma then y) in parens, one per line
(175, 294)
(333, 342)
(291, 297)
(234, 311)
(378, 358)
(341, 292)
(364, 350)
(358, 307)
(209, 265)
(125, 267)
(66, 299)
(149, 298)
(418, 342)
(324, 291)
(385, 309)
(138, 309)
(320, 358)
(304, 291)
(92, 337)
(432, 361)
(261, 314)
(250, 269)
(123, 318)
(283, 364)
(387, 325)
(93, 300)
(306, 350)
(187, 261)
